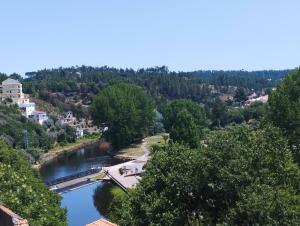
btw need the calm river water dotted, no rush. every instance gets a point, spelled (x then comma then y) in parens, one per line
(79, 202)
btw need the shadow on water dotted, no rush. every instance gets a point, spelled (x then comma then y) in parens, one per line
(103, 198)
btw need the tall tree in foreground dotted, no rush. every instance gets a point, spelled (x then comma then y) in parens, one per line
(23, 191)
(243, 176)
(284, 110)
(126, 109)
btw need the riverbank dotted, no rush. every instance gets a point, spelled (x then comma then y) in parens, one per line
(135, 151)
(59, 150)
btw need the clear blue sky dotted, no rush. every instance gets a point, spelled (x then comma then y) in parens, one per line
(182, 34)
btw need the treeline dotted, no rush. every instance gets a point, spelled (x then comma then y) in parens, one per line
(80, 84)
(247, 79)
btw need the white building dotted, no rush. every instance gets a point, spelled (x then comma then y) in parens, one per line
(12, 89)
(39, 116)
(79, 132)
(69, 119)
(27, 109)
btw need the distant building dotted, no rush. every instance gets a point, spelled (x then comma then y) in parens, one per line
(79, 132)
(68, 119)
(12, 89)
(39, 116)
(9, 218)
(27, 109)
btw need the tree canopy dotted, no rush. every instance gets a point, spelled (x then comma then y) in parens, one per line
(24, 192)
(126, 109)
(284, 110)
(243, 176)
(185, 130)
(171, 111)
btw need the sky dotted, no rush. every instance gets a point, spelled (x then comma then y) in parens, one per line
(184, 35)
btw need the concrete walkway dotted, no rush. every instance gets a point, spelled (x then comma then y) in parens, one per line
(131, 170)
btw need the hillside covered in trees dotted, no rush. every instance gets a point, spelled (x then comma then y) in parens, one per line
(73, 88)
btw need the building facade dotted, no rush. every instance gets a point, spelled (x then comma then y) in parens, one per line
(39, 116)
(12, 89)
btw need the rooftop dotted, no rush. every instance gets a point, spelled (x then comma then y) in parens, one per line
(9, 218)
(11, 81)
(38, 112)
(101, 222)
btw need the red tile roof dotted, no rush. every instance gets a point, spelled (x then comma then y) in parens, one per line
(101, 222)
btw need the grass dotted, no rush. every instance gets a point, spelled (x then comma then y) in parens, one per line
(157, 139)
(132, 150)
(135, 150)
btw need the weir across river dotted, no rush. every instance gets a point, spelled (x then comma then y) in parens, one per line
(73, 180)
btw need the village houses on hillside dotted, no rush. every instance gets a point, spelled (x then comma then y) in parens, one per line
(11, 89)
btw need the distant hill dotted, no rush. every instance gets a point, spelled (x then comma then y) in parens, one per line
(73, 88)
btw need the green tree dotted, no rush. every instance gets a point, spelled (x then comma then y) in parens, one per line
(284, 110)
(218, 113)
(185, 130)
(242, 176)
(195, 110)
(240, 95)
(127, 111)
(23, 191)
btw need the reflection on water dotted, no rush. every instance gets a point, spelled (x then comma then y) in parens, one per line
(80, 202)
(75, 162)
(103, 197)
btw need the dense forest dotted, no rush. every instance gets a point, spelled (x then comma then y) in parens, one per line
(73, 88)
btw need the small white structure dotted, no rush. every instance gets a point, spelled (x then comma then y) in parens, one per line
(68, 119)
(27, 109)
(79, 132)
(39, 116)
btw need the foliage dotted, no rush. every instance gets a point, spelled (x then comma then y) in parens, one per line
(185, 130)
(240, 95)
(108, 198)
(218, 113)
(171, 111)
(284, 110)
(243, 176)
(13, 124)
(222, 115)
(23, 191)
(127, 111)
(73, 88)
(158, 126)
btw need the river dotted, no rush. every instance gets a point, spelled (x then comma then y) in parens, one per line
(79, 202)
